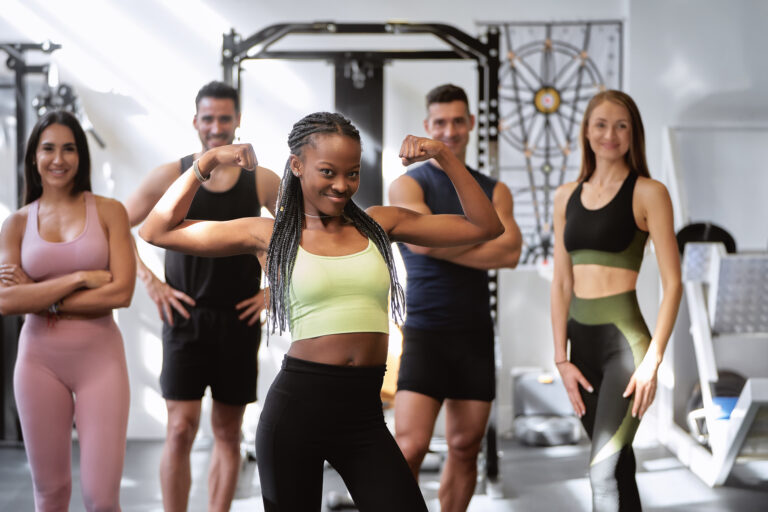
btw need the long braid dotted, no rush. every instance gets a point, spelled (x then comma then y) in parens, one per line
(283, 246)
(289, 219)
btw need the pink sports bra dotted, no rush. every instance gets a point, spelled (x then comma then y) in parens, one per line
(43, 260)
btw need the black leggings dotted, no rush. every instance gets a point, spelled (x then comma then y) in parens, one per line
(609, 339)
(316, 412)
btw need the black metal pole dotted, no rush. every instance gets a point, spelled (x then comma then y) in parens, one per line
(21, 127)
(359, 95)
(10, 325)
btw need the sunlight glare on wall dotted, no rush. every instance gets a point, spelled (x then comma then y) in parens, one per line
(154, 404)
(151, 352)
(198, 17)
(274, 95)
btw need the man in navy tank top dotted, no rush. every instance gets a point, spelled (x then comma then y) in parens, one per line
(448, 353)
(210, 308)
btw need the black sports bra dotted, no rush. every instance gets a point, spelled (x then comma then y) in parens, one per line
(606, 236)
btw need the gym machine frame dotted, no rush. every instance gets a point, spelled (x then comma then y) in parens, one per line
(725, 294)
(726, 298)
(359, 94)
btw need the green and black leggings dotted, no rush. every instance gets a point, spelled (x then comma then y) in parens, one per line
(609, 339)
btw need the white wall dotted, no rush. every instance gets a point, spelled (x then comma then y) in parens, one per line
(704, 67)
(697, 62)
(733, 195)
(138, 65)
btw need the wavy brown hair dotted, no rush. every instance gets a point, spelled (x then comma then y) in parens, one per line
(635, 157)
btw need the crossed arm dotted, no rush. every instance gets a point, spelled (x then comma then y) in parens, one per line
(500, 252)
(81, 292)
(479, 223)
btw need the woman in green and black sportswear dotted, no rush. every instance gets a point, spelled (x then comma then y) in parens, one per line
(602, 222)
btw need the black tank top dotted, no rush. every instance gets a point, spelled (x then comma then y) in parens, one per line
(606, 236)
(218, 282)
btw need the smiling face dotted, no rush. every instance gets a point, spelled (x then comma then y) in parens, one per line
(56, 157)
(450, 123)
(216, 121)
(609, 131)
(329, 170)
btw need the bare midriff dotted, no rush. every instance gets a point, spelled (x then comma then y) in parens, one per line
(349, 349)
(594, 281)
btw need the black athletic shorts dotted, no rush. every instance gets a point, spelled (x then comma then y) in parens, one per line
(211, 348)
(456, 364)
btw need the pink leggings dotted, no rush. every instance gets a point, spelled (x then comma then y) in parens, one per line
(73, 369)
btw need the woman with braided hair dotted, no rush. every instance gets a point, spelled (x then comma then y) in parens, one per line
(332, 277)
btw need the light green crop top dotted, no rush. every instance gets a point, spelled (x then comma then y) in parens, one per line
(339, 294)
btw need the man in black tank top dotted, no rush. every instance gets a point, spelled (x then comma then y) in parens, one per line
(448, 334)
(210, 309)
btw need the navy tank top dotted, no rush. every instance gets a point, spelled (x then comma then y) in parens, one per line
(218, 283)
(441, 294)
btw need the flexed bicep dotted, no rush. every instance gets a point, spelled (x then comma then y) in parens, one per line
(246, 235)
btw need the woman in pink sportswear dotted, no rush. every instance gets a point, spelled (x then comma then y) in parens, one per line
(66, 261)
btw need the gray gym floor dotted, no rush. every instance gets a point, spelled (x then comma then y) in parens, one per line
(534, 480)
